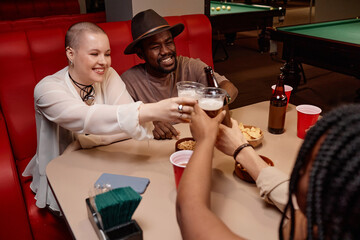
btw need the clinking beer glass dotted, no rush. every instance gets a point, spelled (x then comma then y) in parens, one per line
(188, 89)
(212, 101)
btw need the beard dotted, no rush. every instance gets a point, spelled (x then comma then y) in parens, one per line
(161, 69)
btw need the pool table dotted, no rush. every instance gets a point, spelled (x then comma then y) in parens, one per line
(242, 17)
(333, 45)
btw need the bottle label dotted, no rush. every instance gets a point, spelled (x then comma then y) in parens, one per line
(277, 117)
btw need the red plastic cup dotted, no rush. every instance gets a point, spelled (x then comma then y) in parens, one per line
(307, 117)
(288, 90)
(179, 161)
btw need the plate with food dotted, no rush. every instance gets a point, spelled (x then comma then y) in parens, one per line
(242, 173)
(187, 143)
(253, 134)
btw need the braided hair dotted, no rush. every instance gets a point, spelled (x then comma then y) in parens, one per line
(333, 197)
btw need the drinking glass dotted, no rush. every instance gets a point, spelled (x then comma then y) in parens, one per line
(188, 89)
(212, 100)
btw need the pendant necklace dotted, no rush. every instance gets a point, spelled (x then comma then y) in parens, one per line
(87, 92)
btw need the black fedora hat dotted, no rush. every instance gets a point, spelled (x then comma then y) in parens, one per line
(148, 23)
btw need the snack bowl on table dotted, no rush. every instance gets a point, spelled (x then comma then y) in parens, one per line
(187, 143)
(244, 175)
(253, 134)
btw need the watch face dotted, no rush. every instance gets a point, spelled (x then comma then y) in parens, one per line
(228, 98)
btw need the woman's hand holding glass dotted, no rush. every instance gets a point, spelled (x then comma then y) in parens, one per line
(203, 127)
(173, 110)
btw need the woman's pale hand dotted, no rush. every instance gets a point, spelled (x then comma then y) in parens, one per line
(202, 126)
(177, 109)
(229, 138)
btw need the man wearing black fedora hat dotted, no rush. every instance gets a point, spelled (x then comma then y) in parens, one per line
(154, 80)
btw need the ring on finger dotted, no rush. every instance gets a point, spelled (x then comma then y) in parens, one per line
(180, 108)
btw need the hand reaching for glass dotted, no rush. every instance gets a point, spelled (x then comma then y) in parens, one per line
(230, 138)
(203, 127)
(173, 110)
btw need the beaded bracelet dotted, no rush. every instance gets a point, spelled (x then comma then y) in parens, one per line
(241, 147)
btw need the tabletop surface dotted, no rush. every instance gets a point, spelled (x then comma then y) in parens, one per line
(237, 8)
(343, 30)
(236, 202)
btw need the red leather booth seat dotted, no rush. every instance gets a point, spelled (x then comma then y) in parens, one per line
(25, 58)
(17, 9)
(64, 21)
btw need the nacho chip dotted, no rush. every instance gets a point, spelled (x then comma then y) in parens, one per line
(250, 133)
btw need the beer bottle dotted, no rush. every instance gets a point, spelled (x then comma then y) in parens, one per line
(277, 109)
(211, 82)
(210, 78)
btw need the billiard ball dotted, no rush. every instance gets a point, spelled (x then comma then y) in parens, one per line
(223, 7)
(228, 8)
(212, 9)
(218, 8)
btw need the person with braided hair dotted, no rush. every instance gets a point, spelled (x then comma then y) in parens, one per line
(322, 197)
(327, 172)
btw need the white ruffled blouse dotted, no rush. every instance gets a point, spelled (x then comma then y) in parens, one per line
(62, 117)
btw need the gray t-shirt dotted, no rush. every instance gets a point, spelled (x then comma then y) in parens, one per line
(146, 88)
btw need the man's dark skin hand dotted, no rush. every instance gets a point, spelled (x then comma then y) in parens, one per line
(164, 130)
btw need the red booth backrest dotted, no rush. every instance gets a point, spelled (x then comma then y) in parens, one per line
(25, 58)
(28, 56)
(63, 21)
(17, 9)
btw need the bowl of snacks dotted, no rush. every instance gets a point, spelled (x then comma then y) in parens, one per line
(253, 134)
(244, 175)
(185, 144)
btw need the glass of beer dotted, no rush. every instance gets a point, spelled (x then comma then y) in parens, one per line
(189, 89)
(212, 102)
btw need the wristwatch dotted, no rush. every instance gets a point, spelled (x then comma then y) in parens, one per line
(228, 98)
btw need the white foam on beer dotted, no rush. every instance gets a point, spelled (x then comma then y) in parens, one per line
(188, 93)
(211, 104)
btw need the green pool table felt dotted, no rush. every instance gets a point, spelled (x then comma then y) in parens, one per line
(236, 8)
(344, 30)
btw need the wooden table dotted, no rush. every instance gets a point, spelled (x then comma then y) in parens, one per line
(236, 202)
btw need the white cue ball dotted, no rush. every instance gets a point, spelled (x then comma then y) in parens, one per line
(223, 7)
(228, 8)
(218, 8)
(212, 9)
